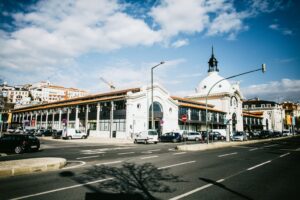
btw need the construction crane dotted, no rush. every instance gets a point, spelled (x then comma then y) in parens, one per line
(112, 87)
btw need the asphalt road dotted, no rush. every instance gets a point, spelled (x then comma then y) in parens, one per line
(258, 171)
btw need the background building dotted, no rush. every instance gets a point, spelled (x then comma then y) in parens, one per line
(292, 116)
(272, 112)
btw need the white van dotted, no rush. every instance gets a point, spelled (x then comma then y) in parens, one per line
(149, 136)
(72, 133)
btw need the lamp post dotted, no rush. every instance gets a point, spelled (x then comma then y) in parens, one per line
(262, 68)
(152, 116)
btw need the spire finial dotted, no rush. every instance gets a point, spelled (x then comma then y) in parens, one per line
(213, 63)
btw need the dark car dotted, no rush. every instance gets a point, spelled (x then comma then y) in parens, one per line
(44, 132)
(57, 134)
(265, 134)
(277, 134)
(18, 143)
(171, 137)
(212, 136)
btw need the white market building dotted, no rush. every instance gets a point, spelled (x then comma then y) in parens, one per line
(122, 113)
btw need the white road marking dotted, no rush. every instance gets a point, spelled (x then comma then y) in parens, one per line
(143, 158)
(178, 164)
(228, 154)
(87, 157)
(81, 164)
(125, 153)
(284, 155)
(243, 147)
(297, 149)
(154, 150)
(108, 163)
(60, 189)
(195, 190)
(259, 165)
(171, 149)
(148, 152)
(272, 145)
(179, 153)
(253, 149)
(90, 153)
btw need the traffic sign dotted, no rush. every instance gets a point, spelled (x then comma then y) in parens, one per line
(184, 118)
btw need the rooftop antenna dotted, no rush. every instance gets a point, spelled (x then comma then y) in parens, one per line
(111, 86)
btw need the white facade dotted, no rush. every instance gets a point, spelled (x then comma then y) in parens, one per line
(224, 96)
(137, 113)
(273, 113)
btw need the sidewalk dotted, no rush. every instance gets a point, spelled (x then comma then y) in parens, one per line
(93, 140)
(216, 145)
(27, 166)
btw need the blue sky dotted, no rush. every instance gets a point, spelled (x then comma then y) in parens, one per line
(75, 42)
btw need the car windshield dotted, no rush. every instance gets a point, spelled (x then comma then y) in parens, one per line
(152, 133)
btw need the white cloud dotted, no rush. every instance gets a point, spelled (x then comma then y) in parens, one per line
(180, 16)
(227, 23)
(282, 30)
(274, 26)
(286, 89)
(124, 74)
(180, 43)
(51, 36)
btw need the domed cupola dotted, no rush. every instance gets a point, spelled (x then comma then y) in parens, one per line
(213, 63)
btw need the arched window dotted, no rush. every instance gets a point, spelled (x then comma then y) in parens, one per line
(157, 107)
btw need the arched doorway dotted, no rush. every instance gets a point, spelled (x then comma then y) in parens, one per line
(157, 115)
(234, 122)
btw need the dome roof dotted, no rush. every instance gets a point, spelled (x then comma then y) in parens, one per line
(213, 77)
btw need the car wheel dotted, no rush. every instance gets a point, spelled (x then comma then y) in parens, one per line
(197, 139)
(174, 140)
(135, 142)
(155, 142)
(69, 137)
(18, 149)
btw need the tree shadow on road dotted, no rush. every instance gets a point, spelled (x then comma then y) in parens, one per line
(130, 181)
(242, 196)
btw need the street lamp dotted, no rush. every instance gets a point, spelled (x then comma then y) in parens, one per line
(262, 68)
(152, 116)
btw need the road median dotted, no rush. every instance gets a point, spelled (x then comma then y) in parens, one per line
(32, 165)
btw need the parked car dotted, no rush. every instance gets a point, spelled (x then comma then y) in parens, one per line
(265, 134)
(171, 137)
(192, 136)
(72, 133)
(18, 143)
(44, 132)
(217, 136)
(148, 136)
(239, 136)
(286, 133)
(277, 134)
(253, 134)
(57, 134)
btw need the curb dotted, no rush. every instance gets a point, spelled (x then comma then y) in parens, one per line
(32, 165)
(217, 145)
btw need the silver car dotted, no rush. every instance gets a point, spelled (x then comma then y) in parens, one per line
(192, 136)
(239, 136)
